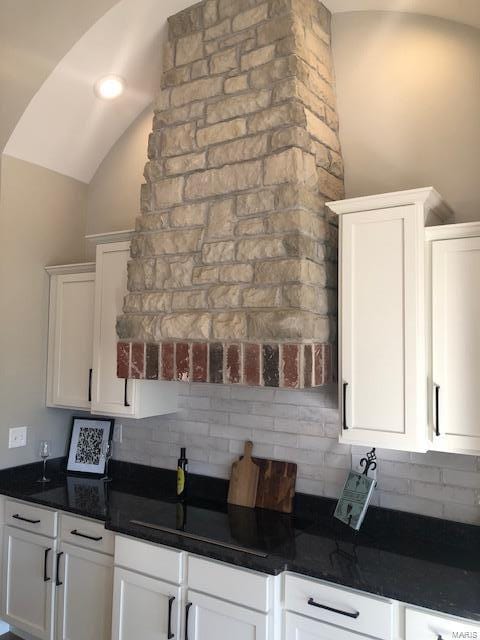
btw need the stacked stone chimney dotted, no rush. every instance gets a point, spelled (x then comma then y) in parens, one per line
(233, 270)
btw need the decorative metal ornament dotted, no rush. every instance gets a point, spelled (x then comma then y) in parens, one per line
(369, 462)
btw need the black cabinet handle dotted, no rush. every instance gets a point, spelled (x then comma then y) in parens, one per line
(90, 372)
(344, 425)
(18, 517)
(45, 577)
(125, 399)
(58, 583)
(187, 611)
(169, 630)
(354, 615)
(437, 409)
(84, 535)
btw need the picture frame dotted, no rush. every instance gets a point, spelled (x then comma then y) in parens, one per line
(87, 439)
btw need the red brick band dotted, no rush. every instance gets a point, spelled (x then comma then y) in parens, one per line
(286, 365)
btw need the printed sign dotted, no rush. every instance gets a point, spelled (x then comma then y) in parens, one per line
(353, 503)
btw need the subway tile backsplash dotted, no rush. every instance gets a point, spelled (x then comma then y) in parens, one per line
(300, 426)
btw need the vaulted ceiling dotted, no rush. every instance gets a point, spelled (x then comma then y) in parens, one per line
(51, 53)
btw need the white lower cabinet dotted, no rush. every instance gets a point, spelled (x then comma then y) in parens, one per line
(300, 628)
(210, 618)
(52, 589)
(429, 625)
(84, 594)
(63, 590)
(28, 582)
(144, 607)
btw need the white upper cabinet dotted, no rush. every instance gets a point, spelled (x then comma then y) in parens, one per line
(453, 255)
(70, 339)
(111, 395)
(382, 359)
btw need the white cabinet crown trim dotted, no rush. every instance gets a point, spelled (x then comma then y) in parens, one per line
(112, 236)
(68, 269)
(428, 197)
(451, 231)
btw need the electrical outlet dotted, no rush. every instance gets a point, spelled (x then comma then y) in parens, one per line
(118, 433)
(17, 437)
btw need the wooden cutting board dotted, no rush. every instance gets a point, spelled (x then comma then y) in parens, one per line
(242, 490)
(276, 485)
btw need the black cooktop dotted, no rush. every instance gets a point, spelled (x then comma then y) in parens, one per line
(255, 531)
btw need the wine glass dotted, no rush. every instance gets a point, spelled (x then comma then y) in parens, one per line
(107, 450)
(45, 451)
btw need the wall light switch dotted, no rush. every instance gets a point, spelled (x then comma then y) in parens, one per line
(17, 437)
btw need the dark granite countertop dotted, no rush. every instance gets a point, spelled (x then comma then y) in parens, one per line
(423, 561)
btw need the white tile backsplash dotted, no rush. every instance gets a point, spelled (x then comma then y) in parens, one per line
(300, 426)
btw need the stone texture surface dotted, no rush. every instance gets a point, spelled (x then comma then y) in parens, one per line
(233, 246)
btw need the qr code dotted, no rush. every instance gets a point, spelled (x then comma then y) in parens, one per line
(89, 447)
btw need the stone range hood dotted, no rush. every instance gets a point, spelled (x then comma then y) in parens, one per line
(233, 270)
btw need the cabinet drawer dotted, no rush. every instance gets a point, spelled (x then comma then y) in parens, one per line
(156, 561)
(240, 586)
(86, 533)
(24, 515)
(300, 628)
(343, 607)
(429, 625)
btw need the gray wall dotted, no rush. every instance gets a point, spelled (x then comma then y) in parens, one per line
(42, 221)
(409, 103)
(301, 426)
(113, 198)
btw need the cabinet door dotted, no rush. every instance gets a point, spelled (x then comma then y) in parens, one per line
(70, 340)
(28, 582)
(300, 628)
(108, 391)
(428, 625)
(456, 344)
(144, 608)
(212, 619)
(382, 379)
(84, 599)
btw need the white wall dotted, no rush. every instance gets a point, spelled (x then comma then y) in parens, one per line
(409, 105)
(42, 222)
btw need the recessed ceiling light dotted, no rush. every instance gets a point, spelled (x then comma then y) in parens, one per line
(109, 87)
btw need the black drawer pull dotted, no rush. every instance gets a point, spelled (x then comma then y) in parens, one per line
(58, 583)
(84, 535)
(90, 372)
(125, 394)
(354, 615)
(345, 425)
(437, 409)
(45, 577)
(187, 611)
(18, 517)
(169, 630)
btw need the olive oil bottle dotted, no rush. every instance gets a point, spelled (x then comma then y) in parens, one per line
(182, 474)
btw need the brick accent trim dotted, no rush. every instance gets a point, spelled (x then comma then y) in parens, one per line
(272, 364)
